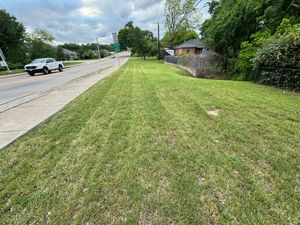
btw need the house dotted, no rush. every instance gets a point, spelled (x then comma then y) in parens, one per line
(190, 47)
(70, 55)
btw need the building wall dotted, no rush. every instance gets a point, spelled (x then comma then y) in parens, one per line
(188, 51)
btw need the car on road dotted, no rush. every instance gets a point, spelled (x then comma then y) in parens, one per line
(43, 65)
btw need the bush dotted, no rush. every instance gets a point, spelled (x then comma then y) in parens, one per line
(280, 55)
(14, 66)
(281, 50)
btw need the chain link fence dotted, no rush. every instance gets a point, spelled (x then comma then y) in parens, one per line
(206, 65)
(287, 78)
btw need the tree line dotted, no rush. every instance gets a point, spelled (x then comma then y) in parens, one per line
(20, 47)
(254, 33)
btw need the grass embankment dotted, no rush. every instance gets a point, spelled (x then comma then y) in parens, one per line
(11, 72)
(71, 63)
(140, 148)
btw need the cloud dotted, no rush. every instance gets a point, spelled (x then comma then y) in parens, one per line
(81, 21)
(89, 11)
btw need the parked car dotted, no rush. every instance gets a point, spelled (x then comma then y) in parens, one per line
(43, 65)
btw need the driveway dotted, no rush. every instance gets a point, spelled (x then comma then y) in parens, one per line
(26, 101)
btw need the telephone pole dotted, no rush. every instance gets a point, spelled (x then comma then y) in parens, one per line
(99, 55)
(158, 39)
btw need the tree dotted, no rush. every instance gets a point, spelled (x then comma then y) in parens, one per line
(179, 37)
(248, 52)
(180, 15)
(141, 42)
(236, 28)
(60, 53)
(123, 36)
(12, 35)
(39, 44)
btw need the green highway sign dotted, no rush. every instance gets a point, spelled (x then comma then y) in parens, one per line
(117, 47)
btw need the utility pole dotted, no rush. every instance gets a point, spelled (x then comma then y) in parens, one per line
(99, 55)
(158, 39)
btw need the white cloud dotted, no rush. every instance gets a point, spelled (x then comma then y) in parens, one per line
(89, 11)
(82, 21)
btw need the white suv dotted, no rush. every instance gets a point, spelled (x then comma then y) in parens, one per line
(43, 65)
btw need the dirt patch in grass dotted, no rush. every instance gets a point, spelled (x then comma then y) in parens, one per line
(213, 112)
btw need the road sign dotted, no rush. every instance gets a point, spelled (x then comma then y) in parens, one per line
(117, 47)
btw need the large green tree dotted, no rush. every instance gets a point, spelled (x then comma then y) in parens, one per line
(12, 34)
(39, 44)
(140, 42)
(124, 36)
(171, 40)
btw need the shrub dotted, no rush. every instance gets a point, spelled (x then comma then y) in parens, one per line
(280, 58)
(281, 50)
(14, 66)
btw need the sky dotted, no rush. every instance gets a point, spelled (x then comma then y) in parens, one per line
(82, 21)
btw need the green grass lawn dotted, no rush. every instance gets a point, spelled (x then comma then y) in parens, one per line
(140, 148)
(71, 63)
(11, 72)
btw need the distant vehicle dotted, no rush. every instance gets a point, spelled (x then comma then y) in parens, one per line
(43, 65)
(113, 57)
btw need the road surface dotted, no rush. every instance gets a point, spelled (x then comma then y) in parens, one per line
(27, 101)
(19, 89)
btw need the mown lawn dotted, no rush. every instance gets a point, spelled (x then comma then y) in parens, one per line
(72, 63)
(140, 148)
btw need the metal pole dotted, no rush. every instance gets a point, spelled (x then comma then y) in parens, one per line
(158, 41)
(99, 55)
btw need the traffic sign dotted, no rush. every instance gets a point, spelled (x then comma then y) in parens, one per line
(117, 47)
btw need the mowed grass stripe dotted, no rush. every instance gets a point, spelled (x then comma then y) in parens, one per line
(140, 148)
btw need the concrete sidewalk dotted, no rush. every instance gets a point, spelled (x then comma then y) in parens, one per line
(17, 121)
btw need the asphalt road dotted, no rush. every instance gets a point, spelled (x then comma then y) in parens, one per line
(27, 101)
(16, 90)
